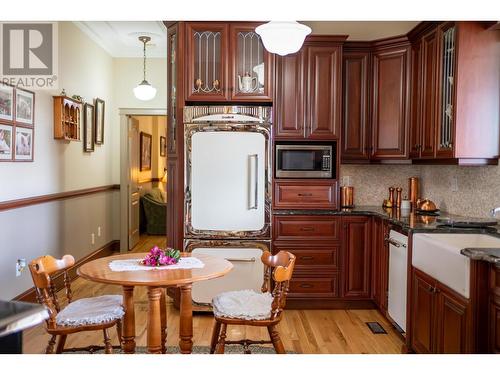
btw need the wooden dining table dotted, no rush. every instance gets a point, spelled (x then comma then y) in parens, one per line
(156, 280)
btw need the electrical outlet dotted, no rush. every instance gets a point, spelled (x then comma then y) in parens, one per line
(20, 266)
(98, 231)
(454, 183)
(92, 236)
(347, 181)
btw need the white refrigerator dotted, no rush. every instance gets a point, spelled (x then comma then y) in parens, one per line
(228, 192)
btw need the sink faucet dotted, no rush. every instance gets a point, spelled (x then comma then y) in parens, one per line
(494, 211)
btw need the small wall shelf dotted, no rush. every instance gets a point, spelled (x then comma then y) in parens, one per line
(67, 114)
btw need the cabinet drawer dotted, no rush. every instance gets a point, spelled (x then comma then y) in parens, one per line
(313, 255)
(301, 194)
(321, 286)
(298, 227)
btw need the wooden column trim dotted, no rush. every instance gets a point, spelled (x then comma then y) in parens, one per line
(23, 202)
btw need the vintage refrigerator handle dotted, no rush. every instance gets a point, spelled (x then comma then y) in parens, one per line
(253, 182)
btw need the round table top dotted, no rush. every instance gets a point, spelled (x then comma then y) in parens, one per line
(98, 270)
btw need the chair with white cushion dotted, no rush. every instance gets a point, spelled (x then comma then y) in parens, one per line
(85, 314)
(247, 307)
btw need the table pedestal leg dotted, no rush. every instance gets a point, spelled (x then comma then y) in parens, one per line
(186, 320)
(154, 320)
(163, 316)
(128, 327)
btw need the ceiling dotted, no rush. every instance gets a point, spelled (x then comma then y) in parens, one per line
(119, 38)
(362, 30)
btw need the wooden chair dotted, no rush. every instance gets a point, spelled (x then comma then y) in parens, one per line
(86, 314)
(255, 309)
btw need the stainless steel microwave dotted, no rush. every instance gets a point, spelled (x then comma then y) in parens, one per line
(304, 161)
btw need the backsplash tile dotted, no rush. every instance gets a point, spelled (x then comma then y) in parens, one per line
(478, 187)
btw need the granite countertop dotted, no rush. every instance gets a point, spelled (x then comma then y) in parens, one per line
(415, 223)
(17, 316)
(486, 254)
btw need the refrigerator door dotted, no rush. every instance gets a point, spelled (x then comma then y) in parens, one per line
(248, 273)
(227, 183)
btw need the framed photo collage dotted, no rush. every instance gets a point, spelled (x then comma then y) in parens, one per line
(17, 124)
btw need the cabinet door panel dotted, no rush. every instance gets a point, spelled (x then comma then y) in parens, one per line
(357, 253)
(423, 313)
(416, 108)
(324, 74)
(355, 124)
(207, 57)
(248, 55)
(452, 323)
(429, 94)
(390, 104)
(290, 96)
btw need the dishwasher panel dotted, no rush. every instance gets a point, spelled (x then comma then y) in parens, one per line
(398, 267)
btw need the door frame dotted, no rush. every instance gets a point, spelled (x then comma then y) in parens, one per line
(125, 113)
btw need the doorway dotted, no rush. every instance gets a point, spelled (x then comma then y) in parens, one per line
(143, 175)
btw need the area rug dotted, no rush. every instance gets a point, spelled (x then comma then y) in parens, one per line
(229, 349)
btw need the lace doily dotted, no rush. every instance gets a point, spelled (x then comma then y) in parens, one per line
(134, 265)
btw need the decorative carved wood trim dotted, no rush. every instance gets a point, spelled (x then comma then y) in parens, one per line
(107, 250)
(23, 202)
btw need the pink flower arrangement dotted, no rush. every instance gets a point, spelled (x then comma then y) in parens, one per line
(161, 257)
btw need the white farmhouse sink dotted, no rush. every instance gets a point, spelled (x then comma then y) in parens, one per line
(438, 255)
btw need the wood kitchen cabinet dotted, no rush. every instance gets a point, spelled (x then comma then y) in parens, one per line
(356, 256)
(494, 310)
(441, 319)
(380, 263)
(293, 194)
(390, 102)
(356, 137)
(376, 100)
(308, 91)
(455, 93)
(227, 61)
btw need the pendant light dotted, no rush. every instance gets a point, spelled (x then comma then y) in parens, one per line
(283, 38)
(144, 91)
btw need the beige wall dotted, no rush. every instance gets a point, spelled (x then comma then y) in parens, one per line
(478, 187)
(156, 127)
(62, 227)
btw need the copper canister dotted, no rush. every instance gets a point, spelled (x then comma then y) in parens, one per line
(413, 191)
(346, 197)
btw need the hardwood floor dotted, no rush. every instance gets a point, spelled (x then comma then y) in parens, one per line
(302, 331)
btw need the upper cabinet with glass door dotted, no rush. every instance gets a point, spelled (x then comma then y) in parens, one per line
(251, 65)
(207, 56)
(227, 62)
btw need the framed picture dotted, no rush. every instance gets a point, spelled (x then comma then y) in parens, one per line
(25, 107)
(5, 142)
(6, 103)
(88, 127)
(163, 146)
(24, 144)
(145, 147)
(99, 121)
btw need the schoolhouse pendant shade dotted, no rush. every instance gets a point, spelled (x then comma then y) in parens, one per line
(144, 91)
(283, 38)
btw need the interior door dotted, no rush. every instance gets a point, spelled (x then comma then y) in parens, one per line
(228, 181)
(133, 185)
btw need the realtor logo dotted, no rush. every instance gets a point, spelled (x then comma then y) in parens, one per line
(29, 54)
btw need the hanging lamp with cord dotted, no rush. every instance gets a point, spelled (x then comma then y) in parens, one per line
(144, 91)
(283, 38)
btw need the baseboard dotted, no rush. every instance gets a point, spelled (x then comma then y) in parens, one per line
(106, 250)
(326, 303)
